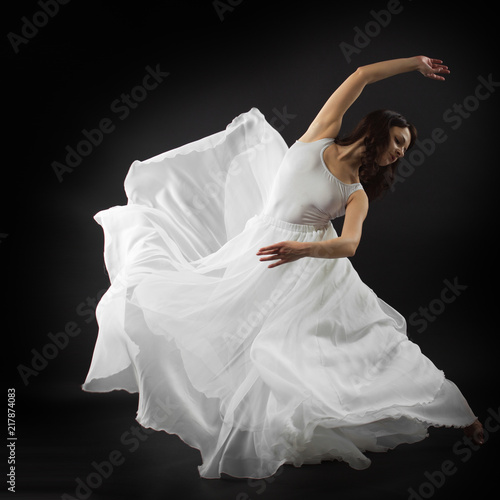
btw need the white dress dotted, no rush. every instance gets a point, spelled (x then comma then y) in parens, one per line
(255, 367)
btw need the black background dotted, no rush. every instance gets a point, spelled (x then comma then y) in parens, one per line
(439, 224)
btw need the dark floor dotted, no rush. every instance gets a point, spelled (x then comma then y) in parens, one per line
(65, 442)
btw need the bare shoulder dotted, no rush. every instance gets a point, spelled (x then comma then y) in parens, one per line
(358, 203)
(355, 215)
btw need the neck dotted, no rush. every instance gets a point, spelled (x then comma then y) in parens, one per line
(349, 157)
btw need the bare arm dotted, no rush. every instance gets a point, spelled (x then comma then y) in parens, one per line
(343, 246)
(329, 119)
(347, 243)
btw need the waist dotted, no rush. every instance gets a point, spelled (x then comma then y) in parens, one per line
(292, 226)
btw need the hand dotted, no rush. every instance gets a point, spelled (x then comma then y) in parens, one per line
(431, 67)
(286, 251)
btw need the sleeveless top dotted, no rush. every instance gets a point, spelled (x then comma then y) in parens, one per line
(304, 190)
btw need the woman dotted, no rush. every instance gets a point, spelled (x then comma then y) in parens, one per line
(257, 368)
(385, 135)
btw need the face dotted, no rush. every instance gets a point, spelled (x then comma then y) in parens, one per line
(399, 141)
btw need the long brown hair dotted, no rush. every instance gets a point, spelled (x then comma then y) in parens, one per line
(375, 127)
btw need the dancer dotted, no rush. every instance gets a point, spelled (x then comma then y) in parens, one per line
(261, 365)
(369, 154)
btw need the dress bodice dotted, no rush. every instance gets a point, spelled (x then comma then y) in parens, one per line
(304, 190)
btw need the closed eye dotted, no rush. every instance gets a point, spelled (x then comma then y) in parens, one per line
(400, 141)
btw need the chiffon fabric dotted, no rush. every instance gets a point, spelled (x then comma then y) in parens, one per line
(254, 367)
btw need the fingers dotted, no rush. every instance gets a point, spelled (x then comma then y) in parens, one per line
(437, 66)
(272, 257)
(438, 69)
(269, 249)
(279, 251)
(435, 77)
(276, 264)
(436, 62)
(441, 69)
(433, 68)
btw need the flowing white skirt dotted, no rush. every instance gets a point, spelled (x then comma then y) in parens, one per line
(255, 367)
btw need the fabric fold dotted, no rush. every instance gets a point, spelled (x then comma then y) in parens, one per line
(254, 367)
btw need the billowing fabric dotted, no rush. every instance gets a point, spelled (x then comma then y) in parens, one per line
(254, 367)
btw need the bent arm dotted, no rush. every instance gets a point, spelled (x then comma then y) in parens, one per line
(347, 243)
(329, 119)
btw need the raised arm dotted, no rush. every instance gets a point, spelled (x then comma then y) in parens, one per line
(329, 119)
